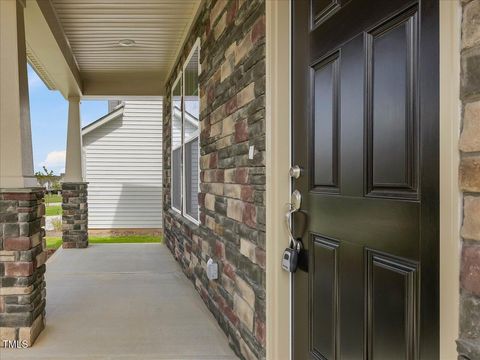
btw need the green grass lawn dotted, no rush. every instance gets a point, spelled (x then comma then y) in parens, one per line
(56, 242)
(53, 198)
(53, 210)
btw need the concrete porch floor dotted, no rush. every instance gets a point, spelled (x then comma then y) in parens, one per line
(123, 301)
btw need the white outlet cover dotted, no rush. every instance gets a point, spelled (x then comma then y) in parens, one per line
(251, 151)
(212, 270)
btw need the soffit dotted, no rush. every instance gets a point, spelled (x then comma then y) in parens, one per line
(93, 29)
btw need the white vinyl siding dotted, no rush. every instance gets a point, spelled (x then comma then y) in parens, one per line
(123, 165)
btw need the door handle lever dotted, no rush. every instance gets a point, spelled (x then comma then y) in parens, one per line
(293, 206)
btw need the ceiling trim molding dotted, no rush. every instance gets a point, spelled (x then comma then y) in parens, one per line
(40, 69)
(186, 33)
(56, 28)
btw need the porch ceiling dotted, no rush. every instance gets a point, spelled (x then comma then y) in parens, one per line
(92, 30)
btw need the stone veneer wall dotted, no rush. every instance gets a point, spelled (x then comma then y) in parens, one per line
(75, 215)
(22, 265)
(232, 198)
(469, 337)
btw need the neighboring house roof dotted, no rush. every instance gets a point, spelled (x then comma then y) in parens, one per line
(103, 120)
(189, 117)
(191, 124)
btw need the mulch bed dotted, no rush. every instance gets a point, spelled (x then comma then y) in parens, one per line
(49, 253)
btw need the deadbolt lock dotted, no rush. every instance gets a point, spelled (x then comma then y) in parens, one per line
(295, 171)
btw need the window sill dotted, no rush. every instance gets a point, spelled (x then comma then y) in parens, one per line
(183, 219)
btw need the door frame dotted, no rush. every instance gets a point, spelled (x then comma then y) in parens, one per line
(278, 159)
(450, 195)
(278, 155)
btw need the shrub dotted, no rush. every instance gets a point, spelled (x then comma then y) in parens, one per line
(57, 224)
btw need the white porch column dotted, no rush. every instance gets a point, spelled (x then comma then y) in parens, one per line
(22, 296)
(73, 167)
(16, 159)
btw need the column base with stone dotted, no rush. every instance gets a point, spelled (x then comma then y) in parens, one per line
(22, 266)
(75, 215)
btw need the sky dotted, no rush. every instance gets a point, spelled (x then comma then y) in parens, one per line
(49, 116)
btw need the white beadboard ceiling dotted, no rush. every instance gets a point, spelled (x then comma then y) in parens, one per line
(94, 27)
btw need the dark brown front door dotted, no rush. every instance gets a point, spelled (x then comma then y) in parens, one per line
(365, 131)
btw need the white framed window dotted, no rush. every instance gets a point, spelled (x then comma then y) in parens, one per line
(177, 147)
(186, 138)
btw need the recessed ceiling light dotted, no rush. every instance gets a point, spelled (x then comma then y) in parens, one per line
(126, 42)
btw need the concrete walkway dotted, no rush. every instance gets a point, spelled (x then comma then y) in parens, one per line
(123, 301)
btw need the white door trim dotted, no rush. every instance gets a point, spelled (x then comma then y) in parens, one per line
(278, 318)
(450, 196)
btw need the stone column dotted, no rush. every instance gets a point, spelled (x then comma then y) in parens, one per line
(74, 189)
(22, 266)
(75, 215)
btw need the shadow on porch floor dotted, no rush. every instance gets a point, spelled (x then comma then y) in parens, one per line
(123, 301)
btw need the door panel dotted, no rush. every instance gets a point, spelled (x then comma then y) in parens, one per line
(324, 297)
(392, 106)
(391, 307)
(365, 132)
(325, 125)
(322, 10)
